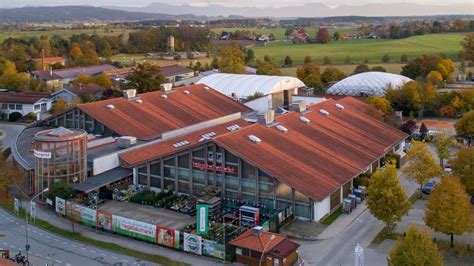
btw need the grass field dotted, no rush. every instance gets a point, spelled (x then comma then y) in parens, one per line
(140, 58)
(65, 33)
(372, 50)
(279, 33)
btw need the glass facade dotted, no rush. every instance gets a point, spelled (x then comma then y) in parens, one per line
(192, 171)
(60, 154)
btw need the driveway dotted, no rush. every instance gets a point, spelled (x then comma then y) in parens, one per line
(8, 133)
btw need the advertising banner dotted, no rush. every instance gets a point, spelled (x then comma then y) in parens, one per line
(133, 228)
(165, 236)
(60, 206)
(213, 249)
(16, 204)
(104, 220)
(192, 244)
(81, 214)
(176, 239)
(202, 223)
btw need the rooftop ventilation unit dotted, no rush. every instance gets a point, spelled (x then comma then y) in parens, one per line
(167, 87)
(110, 106)
(209, 135)
(181, 144)
(206, 88)
(340, 106)
(299, 107)
(129, 94)
(324, 112)
(304, 119)
(186, 92)
(125, 142)
(282, 128)
(254, 139)
(139, 101)
(164, 96)
(232, 128)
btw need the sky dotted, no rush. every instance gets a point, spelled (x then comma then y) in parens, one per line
(260, 3)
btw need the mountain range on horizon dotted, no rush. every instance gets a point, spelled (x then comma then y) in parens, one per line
(307, 10)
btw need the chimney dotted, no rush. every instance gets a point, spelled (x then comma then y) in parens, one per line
(167, 87)
(129, 94)
(42, 60)
(299, 107)
(50, 71)
(267, 118)
(257, 230)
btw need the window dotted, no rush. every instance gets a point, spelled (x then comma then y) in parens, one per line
(301, 198)
(230, 158)
(231, 183)
(302, 210)
(283, 191)
(155, 182)
(142, 180)
(4, 106)
(249, 186)
(183, 187)
(183, 174)
(11, 106)
(199, 153)
(262, 176)
(169, 184)
(169, 172)
(142, 170)
(248, 171)
(37, 107)
(265, 189)
(183, 160)
(169, 162)
(18, 107)
(155, 169)
(199, 177)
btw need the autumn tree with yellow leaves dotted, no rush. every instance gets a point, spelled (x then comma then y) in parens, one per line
(387, 200)
(421, 165)
(448, 209)
(415, 249)
(463, 166)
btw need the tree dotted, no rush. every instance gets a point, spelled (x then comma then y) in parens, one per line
(288, 32)
(435, 78)
(267, 68)
(403, 58)
(145, 78)
(249, 56)
(416, 248)
(310, 74)
(386, 58)
(59, 106)
(327, 60)
(61, 190)
(361, 69)
(215, 63)
(468, 45)
(448, 209)
(75, 53)
(331, 74)
(409, 126)
(323, 36)
(387, 200)
(288, 61)
(337, 36)
(232, 60)
(423, 130)
(380, 104)
(421, 165)
(407, 98)
(463, 166)
(465, 125)
(308, 59)
(103, 80)
(378, 69)
(442, 144)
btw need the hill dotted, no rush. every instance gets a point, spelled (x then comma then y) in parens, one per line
(78, 14)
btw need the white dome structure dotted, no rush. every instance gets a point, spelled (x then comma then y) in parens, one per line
(242, 86)
(368, 84)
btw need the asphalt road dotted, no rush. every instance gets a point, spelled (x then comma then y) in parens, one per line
(8, 133)
(50, 249)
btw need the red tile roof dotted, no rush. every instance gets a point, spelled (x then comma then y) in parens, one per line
(72, 72)
(174, 70)
(164, 148)
(48, 60)
(284, 248)
(85, 89)
(316, 158)
(23, 97)
(157, 115)
(257, 243)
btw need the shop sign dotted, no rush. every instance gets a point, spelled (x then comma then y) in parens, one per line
(104, 220)
(202, 223)
(133, 228)
(210, 167)
(42, 154)
(192, 244)
(165, 236)
(60, 206)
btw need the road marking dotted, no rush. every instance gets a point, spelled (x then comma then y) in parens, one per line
(48, 237)
(103, 255)
(126, 261)
(114, 258)
(58, 261)
(17, 223)
(74, 245)
(64, 242)
(56, 240)
(41, 234)
(93, 252)
(34, 231)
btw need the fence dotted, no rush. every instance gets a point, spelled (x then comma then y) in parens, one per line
(147, 232)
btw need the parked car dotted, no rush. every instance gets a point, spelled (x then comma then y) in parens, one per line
(428, 187)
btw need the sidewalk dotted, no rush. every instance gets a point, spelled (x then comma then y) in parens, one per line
(50, 216)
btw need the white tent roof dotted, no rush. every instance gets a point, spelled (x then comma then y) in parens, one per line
(246, 85)
(368, 83)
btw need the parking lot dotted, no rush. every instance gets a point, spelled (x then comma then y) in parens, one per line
(149, 214)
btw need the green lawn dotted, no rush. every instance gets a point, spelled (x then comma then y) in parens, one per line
(279, 33)
(65, 33)
(372, 50)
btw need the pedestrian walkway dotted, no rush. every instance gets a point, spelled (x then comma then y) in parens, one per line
(51, 217)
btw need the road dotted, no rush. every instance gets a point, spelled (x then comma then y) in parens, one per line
(50, 249)
(8, 133)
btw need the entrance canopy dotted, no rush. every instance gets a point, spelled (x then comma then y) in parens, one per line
(104, 179)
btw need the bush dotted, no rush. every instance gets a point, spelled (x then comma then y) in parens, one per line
(392, 156)
(362, 179)
(29, 118)
(13, 117)
(147, 197)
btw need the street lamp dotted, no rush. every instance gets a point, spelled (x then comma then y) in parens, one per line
(27, 246)
(265, 248)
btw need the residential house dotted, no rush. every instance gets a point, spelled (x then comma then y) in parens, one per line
(90, 91)
(24, 103)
